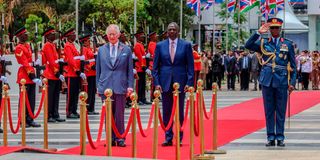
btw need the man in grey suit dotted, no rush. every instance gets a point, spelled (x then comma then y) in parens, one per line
(115, 71)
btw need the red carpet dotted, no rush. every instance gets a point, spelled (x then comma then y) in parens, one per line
(8, 150)
(234, 122)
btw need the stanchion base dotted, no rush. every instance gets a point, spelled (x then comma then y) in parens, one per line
(203, 156)
(215, 152)
(51, 149)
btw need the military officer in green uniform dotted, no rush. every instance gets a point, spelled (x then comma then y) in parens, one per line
(277, 76)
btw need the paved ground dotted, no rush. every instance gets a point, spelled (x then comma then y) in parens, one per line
(303, 138)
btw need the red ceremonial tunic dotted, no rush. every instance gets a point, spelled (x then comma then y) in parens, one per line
(151, 50)
(70, 52)
(89, 56)
(197, 61)
(50, 56)
(139, 52)
(23, 55)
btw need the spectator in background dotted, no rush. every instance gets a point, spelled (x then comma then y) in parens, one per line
(255, 69)
(231, 70)
(217, 69)
(204, 68)
(305, 67)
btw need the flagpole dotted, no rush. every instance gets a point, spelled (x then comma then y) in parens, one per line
(213, 30)
(77, 19)
(227, 28)
(181, 20)
(199, 34)
(135, 20)
(238, 24)
(284, 19)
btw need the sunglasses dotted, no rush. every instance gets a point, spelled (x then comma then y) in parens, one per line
(274, 27)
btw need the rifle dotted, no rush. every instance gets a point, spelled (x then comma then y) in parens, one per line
(35, 52)
(61, 63)
(3, 62)
(83, 63)
(94, 38)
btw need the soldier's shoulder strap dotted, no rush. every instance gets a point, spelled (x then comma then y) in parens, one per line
(287, 40)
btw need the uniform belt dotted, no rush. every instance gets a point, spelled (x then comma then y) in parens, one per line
(276, 66)
(197, 60)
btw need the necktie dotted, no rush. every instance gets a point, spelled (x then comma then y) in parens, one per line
(113, 54)
(172, 51)
(275, 41)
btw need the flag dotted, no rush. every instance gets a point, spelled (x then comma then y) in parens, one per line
(207, 4)
(279, 7)
(231, 5)
(246, 5)
(195, 6)
(292, 2)
(264, 8)
(218, 1)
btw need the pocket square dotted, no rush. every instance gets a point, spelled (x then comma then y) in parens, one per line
(124, 54)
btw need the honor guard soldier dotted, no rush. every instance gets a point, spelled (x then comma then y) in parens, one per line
(73, 75)
(197, 64)
(51, 60)
(90, 71)
(151, 48)
(277, 76)
(315, 75)
(141, 67)
(164, 35)
(26, 71)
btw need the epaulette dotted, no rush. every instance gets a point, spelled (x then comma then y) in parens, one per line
(288, 40)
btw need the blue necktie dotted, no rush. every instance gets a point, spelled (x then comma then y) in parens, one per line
(113, 54)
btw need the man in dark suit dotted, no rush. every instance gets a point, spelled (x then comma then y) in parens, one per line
(173, 62)
(115, 71)
(230, 65)
(244, 66)
(277, 76)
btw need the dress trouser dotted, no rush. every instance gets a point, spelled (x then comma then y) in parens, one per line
(217, 78)
(245, 75)
(53, 98)
(73, 94)
(92, 89)
(31, 92)
(275, 103)
(231, 78)
(118, 106)
(142, 86)
(167, 102)
(305, 80)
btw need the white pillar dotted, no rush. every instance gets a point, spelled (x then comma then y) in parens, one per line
(312, 32)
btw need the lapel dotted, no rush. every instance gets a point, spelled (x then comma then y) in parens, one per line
(107, 55)
(120, 49)
(178, 48)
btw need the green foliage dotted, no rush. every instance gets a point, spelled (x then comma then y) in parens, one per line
(31, 26)
(233, 30)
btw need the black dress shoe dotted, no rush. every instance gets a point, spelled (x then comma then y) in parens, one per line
(1, 131)
(72, 116)
(166, 143)
(60, 120)
(140, 103)
(93, 113)
(121, 144)
(271, 143)
(51, 120)
(280, 143)
(147, 103)
(34, 124)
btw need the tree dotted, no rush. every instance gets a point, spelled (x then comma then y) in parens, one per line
(232, 29)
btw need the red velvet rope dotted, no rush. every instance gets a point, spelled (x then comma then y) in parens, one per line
(211, 108)
(185, 116)
(89, 137)
(140, 124)
(166, 128)
(14, 131)
(196, 116)
(151, 115)
(39, 108)
(115, 129)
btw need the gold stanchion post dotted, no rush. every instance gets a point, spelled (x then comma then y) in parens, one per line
(176, 87)
(201, 125)
(23, 113)
(155, 124)
(45, 114)
(133, 98)
(5, 89)
(108, 105)
(214, 124)
(83, 112)
(191, 103)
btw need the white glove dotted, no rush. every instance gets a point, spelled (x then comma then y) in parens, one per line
(37, 81)
(59, 60)
(83, 76)
(61, 77)
(37, 62)
(79, 57)
(148, 71)
(4, 79)
(134, 71)
(148, 55)
(2, 58)
(134, 56)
